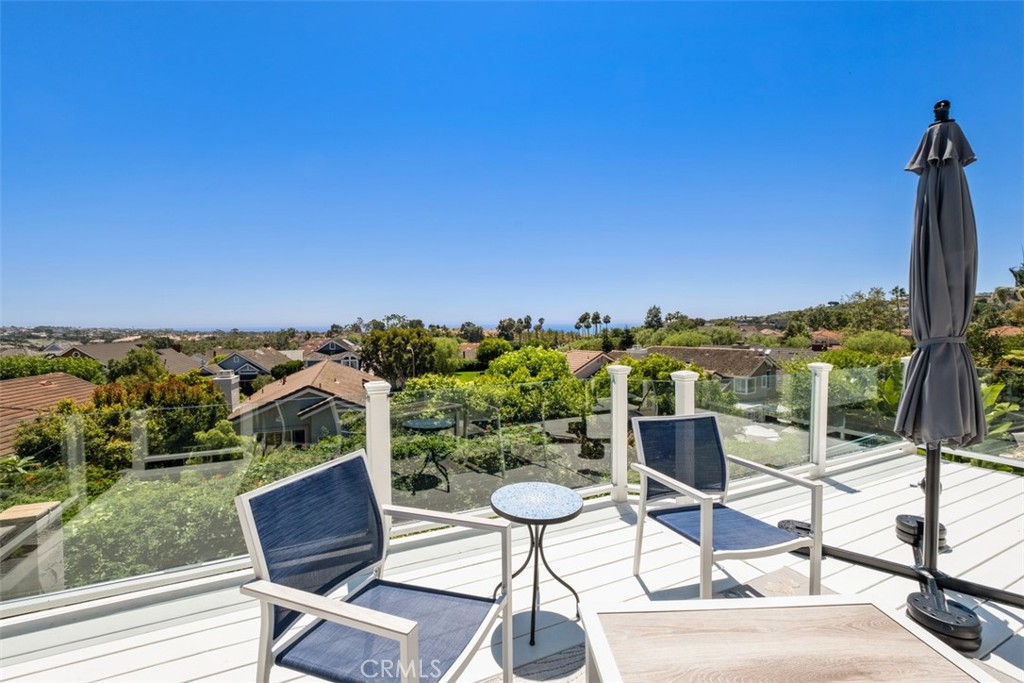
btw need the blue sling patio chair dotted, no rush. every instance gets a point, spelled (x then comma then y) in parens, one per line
(316, 532)
(683, 456)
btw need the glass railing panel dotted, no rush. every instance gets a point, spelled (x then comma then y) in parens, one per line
(134, 492)
(862, 405)
(452, 447)
(1002, 391)
(761, 420)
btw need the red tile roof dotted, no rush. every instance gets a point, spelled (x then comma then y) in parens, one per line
(23, 398)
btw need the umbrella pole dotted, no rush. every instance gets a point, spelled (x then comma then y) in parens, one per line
(932, 487)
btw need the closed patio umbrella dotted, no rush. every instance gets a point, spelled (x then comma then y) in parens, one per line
(941, 398)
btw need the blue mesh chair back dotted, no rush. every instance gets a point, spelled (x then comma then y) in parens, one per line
(318, 530)
(688, 449)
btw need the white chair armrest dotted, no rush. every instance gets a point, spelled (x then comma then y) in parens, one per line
(764, 469)
(447, 518)
(346, 614)
(668, 481)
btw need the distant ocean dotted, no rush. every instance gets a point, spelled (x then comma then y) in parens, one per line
(560, 327)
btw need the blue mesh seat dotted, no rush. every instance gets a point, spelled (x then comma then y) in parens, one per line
(683, 456)
(315, 533)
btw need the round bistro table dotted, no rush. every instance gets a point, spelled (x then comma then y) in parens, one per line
(537, 504)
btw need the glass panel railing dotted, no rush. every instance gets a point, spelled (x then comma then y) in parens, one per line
(452, 447)
(99, 495)
(764, 419)
(1002, 392)
(862, 405)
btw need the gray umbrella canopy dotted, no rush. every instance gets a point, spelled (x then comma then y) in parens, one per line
(941, 398)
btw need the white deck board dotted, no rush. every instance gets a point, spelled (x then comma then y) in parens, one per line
(213, 637)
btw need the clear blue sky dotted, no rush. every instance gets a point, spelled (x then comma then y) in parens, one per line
(272, 164)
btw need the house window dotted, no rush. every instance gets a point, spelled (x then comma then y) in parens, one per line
(744, 385)
(766, 381)
(351, 363)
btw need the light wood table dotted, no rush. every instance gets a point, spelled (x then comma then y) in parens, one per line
(758, 640)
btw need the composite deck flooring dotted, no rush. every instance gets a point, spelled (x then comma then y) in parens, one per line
(212, 636)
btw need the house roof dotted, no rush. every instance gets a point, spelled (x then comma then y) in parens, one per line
(23, 398)
(580, 360)
(104, 352)
(826, 335)
(1006, 331)
(265, 358)
(327, 377)
(314, 344)
(725, 361)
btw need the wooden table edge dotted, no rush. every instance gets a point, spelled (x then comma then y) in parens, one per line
(599, 655)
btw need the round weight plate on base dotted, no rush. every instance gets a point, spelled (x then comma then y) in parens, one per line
(957, 622)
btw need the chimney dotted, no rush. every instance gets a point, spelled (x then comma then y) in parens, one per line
(227, 382)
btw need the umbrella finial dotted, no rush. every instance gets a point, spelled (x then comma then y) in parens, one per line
(941, 109)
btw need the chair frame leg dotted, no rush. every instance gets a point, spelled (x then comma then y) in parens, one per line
(265, 659)
(638, 545)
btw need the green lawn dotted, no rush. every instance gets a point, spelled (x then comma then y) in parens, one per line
(468, 375)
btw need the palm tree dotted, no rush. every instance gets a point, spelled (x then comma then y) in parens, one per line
(527, 321)
(607, 319)
(579, 325)
(595, 320)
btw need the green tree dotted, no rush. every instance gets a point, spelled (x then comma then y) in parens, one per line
(446, 355)
(725, 336)
(606, 341)
(506, 329)
(30, 366)
(872, 311)
(139, 366)
(653, 318)
(471, 332)
(260, 382)
(529, 364)
(396, 354)
(686, 338)
(491, 348)
(878, 342)
(287, 368)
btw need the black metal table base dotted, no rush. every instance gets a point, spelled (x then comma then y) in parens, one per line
(537, 552)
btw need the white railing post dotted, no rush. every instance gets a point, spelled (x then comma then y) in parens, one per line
(378, 438)
(620, 427)
(685, 382)
(819, 416)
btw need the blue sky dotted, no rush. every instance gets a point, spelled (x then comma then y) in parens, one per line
(267, 164)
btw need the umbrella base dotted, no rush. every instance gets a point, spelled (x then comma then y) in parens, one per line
(958, 626)
(896, 569)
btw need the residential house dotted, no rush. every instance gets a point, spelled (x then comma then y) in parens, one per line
(822, 340)
(104, 352)
(584, 364)
(1005, 331)
(340, 351)
(751, 373)
(251, 363)
(304, 406)
(467, 350)
(24, 398)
